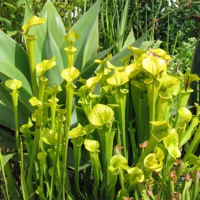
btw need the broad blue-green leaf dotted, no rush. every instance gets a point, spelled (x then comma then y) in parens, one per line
(157, 44)
(39, 31)
(6, 139)
(49, 50)
(85, 159)
(12, 72)
(115, 60)
(13, 54)
(87, 27)
(24, 108)
(91, 45)
(91, 66)
(6, 118)
(6, 158)
(54, 22)
(86, 45)
(23, 98)
(146, 44)
(129, 40)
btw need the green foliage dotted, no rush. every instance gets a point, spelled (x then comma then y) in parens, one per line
(183, 55)
(166, 20)
(11, 18)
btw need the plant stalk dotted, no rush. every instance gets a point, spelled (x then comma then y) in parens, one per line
(30, 48)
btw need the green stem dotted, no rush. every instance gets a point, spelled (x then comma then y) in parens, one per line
(174, 45)
(96, 166)
(182, 102)
(185, 190)
(60, 133)
(15, 106)
(168, 166)
(30, 39)
(171, 186)
(140, 106)
(153, 89)
(154, 18)
(70, 56)
(53, 113)
(111, 188)
(42, 84)
(196, 185)
(34, 148)
(151, 145)
(11, 182)
(77, 158)
(121, 179)
(135, 193)
(167, 38)
(142, 190)
(4, 176)
(23, 183)
(56, 160)
(85, 4)
(120, 99)
(146, 19)
(183, 138)
(106, 140)
(193, 144)
(41, 174)
(69, 99)
(163, 102)
(132, 133)
(181, 132)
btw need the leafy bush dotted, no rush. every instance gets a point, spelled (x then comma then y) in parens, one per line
(183, 55)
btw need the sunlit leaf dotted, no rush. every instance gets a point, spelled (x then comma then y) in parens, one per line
(100, 115)
(185, 114)
(154, 161)
(52, 16)
(10, 50)
(6, 158)
(135, 175)
(171, 144)
(70, 38)
(42, 155)
(48, 51)
(45, 65)
(13, 84)
(35, 102)
(77, 132)
(91, 145)
(117, 163)
(50, 137)
(160, 129)
(118, 78)
(194, 160)
(154, 65)
(32, 22)
(91, 82)
(70, 74)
